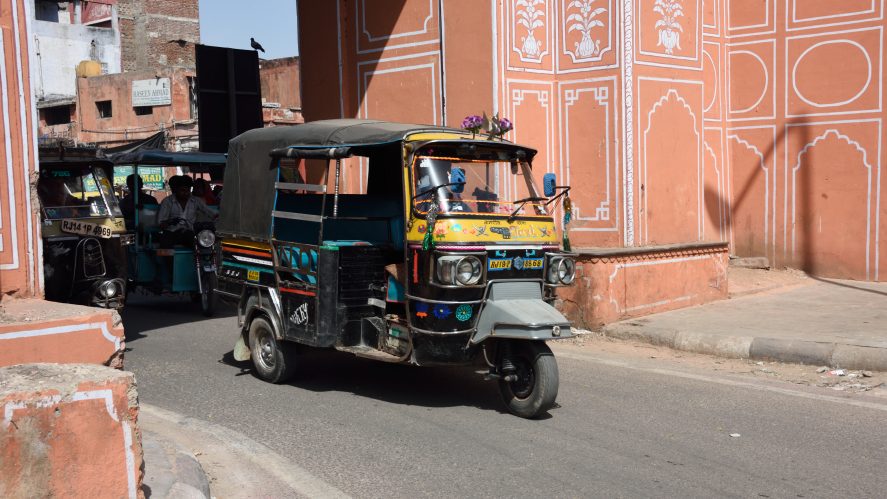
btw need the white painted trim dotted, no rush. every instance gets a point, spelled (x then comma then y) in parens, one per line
(717, 82)
(494, 30)
(743, 30)
(607, 205)
(442, 67)
(767, 190)
(699, 139)
(770, 85)
(360, 30)
(623, 266)
(32, 73)
(7, 137)
(715, 27)
(880, 30)
(563, 37)
(804, 54)
(627, 34)
(363, 86)
(859, 147)
(130, 460)
(513, 38)
(791, 22)
(71, 328)
(26, 151)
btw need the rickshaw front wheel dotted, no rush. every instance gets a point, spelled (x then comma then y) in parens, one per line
(534, 387)
(273, 361)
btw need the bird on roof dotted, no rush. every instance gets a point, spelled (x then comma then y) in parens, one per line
(254, 44)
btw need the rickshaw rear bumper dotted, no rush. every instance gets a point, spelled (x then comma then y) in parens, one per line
(523, 319)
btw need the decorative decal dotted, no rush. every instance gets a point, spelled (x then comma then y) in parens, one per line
(442, 311)
(481, 230)
(519, 263)
(584, 21)
(300, 314)
(456, 228)
(669, 27)
(464, 312)
(502, 231)
(421, 310)
(531, 18)
(252, 275)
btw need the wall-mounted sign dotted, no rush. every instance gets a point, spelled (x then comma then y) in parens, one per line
(154, 92)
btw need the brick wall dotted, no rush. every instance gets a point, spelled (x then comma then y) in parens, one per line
(158, 33)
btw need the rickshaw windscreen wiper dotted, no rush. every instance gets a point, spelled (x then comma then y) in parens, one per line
(520, 204)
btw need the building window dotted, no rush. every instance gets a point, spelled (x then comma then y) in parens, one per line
(103, 108)
(57, 115)
(192, 97)
(143, 110)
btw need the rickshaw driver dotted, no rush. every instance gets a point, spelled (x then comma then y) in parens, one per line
(179, 212)
(440, 172)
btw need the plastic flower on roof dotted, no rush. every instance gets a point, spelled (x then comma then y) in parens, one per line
(505, 125)
(472, 123)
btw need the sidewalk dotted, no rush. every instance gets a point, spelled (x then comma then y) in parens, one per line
(778, 315)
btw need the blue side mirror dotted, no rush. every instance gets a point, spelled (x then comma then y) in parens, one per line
(457, 175)
(549, 182)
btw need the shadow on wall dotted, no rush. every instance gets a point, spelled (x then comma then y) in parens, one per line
(805, 260)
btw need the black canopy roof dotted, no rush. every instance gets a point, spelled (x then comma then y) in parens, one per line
(248, 197)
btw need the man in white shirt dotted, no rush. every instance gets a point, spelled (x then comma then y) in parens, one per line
(179, 212)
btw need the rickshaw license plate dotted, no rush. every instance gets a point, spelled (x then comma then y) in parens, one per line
(85, 228)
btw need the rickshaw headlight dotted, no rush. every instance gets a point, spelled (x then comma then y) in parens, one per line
(561, 270)
(108, 289)
(206, 238)
(459, 270)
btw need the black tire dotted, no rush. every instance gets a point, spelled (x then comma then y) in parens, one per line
(535, 390)
(208, 297)
(273, 361)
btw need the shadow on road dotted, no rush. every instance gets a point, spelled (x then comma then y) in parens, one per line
(322, 370)
(147, 313)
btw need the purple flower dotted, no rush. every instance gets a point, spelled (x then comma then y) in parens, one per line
(472, 123)
(505, 125)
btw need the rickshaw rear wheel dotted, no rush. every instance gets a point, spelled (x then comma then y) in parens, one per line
(273, 361)
(535, 389)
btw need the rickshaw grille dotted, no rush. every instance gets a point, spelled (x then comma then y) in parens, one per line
(361, 268)
(93, 259)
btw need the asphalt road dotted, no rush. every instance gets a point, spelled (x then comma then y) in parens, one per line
(626, 425)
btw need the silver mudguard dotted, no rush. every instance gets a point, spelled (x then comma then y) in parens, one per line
(516, 310)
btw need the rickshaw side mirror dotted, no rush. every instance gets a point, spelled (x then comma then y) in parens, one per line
(457, 175)
(549, 184)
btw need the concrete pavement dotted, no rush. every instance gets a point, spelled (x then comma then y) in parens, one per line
(810, 320)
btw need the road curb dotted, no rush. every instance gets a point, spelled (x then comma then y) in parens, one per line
(753, 347)
(171, 470)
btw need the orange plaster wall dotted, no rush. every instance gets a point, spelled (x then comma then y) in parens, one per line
(616, 287)
(75, 436)
(800, 107)
(19, 233)
(91, 338)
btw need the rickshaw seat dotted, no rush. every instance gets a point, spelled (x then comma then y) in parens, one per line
(364, 220)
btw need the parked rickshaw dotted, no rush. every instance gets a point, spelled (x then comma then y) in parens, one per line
(448, 256)
(83, 233)
(157, 268)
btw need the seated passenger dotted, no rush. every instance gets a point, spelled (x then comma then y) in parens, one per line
(178, 213)
(202, 191)
(136, 198)
(52, 193)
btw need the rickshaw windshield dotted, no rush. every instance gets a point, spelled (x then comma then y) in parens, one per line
(477, 187)
(77, 193)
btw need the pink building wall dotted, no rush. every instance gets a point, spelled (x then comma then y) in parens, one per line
(20, 272)
(689, 126)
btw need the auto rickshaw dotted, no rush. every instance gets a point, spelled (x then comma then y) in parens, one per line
(448, 255)
(83, 232)
(179, 269)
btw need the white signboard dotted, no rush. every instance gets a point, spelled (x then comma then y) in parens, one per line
(154, 92)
